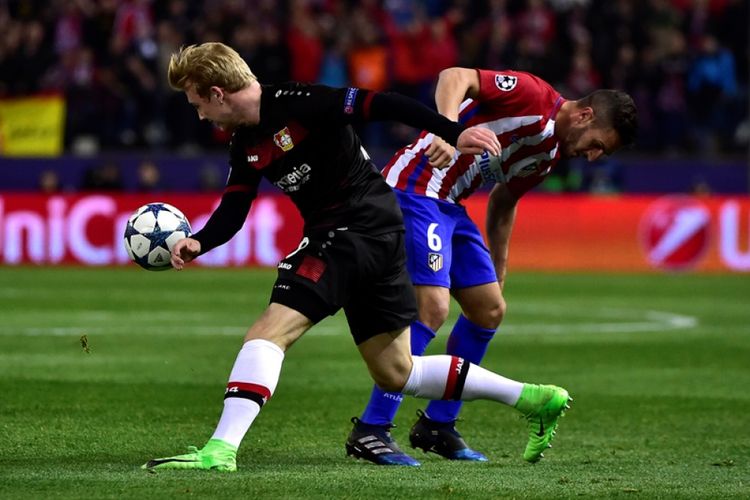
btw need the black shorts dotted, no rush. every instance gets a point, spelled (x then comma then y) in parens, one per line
(364, 275)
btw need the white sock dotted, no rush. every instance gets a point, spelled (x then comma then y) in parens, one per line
(251, 383)
(451, 377)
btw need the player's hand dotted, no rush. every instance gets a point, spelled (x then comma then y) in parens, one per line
(477, 140)
(184, 251)
(441, 154)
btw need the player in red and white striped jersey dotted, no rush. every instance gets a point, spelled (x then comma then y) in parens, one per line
(522, 110)
(446, 254)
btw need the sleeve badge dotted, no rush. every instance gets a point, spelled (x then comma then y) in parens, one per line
(506, 83)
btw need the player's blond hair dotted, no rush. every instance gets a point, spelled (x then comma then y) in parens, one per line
(206, 65)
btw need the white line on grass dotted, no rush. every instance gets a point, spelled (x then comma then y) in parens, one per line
(649, 321)
(606, 320)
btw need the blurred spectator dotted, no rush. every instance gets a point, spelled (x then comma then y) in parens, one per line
(713, 87)
(104, 177)
(368, 54)
(684, 61)
(670, 95)
(149, 177)
(271, 59)
(49, 182)
(408, 33)
(700, 187)
(583, 77)
(496, 28)
(334, 69)
(305, 44)
(602, 177)
(441, 50)
(210, 178)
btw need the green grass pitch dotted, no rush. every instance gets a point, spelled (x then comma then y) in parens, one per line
(658, 365)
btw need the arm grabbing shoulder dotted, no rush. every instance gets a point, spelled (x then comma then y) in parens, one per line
(454, 85)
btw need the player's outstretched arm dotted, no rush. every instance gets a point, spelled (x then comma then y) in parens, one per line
(184, 251)
(454, 85)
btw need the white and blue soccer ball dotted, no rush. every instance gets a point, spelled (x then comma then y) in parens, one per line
(151, 233)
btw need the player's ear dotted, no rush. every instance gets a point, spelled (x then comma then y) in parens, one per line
(586, 115)
(216, 93)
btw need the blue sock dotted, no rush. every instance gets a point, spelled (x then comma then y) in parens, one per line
(383, 405)
(468, 341)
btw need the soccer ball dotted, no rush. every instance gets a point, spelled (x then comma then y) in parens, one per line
(151, 232)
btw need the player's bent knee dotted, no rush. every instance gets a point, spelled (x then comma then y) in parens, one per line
(392, 378)
(495, 315)
(434, 306)
(434, 314)
(488, 317)
(391, 384)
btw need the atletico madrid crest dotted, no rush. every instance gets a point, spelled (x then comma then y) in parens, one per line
(435, 261)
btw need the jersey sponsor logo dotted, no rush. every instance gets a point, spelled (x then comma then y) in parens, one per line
(294, 180)
(675, 233)
(490, 167)
(435, 261)
(284, 265)
(283, 139)
(252, 158)
(351, 95)
(483, 162)
(506, 83)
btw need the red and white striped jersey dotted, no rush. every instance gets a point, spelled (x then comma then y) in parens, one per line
(521, 109)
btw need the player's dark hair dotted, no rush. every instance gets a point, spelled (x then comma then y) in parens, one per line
(616, 109)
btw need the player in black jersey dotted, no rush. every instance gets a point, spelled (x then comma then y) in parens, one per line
(300, 138)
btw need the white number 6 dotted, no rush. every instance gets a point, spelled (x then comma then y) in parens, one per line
(433, 240)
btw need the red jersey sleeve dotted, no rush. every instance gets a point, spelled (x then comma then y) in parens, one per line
(513, 92)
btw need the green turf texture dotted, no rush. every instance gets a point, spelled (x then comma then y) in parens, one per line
(658, 365)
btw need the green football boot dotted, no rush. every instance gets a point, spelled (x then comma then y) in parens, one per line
(542, 406)
(216, 455)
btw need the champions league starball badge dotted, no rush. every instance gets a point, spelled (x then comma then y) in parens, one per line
(506, 83)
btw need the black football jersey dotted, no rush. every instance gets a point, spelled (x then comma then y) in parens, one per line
(305, 145)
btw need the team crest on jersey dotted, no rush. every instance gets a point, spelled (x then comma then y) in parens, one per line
(283, 139)
(435, 261)
(506, 83)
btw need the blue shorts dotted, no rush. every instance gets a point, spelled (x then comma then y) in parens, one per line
(443, 245)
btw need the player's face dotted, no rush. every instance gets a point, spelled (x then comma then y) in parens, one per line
(587, 139)
(590, 142)
(210, 108)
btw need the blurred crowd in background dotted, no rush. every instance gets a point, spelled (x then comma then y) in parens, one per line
(685, 62)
